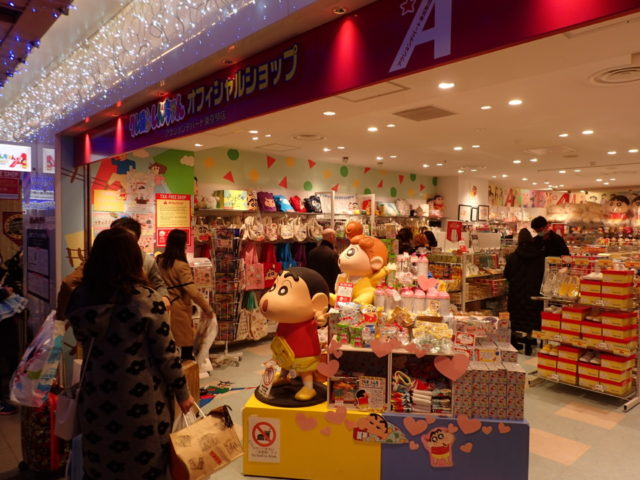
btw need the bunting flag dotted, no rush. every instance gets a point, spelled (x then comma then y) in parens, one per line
(270, 161)
(381, 184)
(335, 187)
(229, 176)
(283, 183)
(311, 163)
(401, 178)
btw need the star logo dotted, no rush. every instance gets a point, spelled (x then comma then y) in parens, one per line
(408, 6)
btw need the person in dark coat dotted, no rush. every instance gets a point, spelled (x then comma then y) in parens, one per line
(551, 244)
(405, 241)
(524, 271)
(324, 258)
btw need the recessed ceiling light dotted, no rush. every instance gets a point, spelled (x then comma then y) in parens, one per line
(563, 135)
(424, 165)
(612, 179)
(561, 185)
(534, 183)
(486, 107)
(576, 170)
(517, 162)
(460, 171)
(328, 113)
(546, 183)
(393, 156)
(587, 132)
(515, 101)
(533, 160)
(255, 138)
(606, 183)
(340, 147)
(339, 11)
(494, 176)
(611, 152)
(446, 85)
(633, 150)
(372, 129)
(504, 175)
(391, 125)
(253, 132)
(198, 145)
(475, 146)
(326, 149)
(458, 148)
(562, 171)
(439, 164)
(598, 179)
(524, 179)
(379, 158)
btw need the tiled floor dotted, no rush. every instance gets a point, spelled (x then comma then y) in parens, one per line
(575, 435)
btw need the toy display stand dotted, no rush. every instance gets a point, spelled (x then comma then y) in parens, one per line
(283, 395)
(318, 442)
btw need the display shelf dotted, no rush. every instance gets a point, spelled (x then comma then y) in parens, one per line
(346, 347)
(601, 346)
(597, 389)
(575, 302)
(483, 298)
(223, 211)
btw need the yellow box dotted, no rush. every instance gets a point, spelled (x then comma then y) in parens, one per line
(616, 362)
(569, 336)
(590, 298)
(619, 319)
(547, 360)
(623, 302)
(591, 328)
(568, 365)
(614, 375)
(568, 353)
(620, 343)
(589, 369)
(617, 288)
(617, 388)
(617, 276)
(611, 331)
(546, 372)
(570, 326)
(590, 286)
(591, 340)
(588, 381)
(575, 312)
(567, 377)
(548, 323)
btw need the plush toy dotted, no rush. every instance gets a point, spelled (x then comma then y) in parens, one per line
(635, 212)
(363, 264)
(592, 213)
(436, 206)
(618, 211)
(298, 297)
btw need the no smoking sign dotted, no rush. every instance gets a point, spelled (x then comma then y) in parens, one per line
(264, 444)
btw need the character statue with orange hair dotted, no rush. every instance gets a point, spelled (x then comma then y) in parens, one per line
(363, 264)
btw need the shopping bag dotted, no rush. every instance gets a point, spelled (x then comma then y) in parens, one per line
(271, 265)
(253, 269)
(285, 257)
(32, 380)
(202, 448)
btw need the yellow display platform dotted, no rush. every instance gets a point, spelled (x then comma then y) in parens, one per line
(294, 443)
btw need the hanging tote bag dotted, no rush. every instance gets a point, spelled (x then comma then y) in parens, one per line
(296, 203)
(271, 265)
(285, 229)
(299, 230)
(253, 269)
(300, 254)
(266, 202)
(285, 257)
(270, 230)
(282, 203)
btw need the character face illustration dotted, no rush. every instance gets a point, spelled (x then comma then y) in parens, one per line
(439, 443)
(374, 424)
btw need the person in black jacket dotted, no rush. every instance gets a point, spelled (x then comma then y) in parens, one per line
(324, 258)
(551, 244)
(524, 271)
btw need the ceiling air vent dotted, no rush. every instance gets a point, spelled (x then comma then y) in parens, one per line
(617, 76)
(308, 137)
(424, 113)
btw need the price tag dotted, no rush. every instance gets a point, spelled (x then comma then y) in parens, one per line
(598, 387)
(554, 377)
(621, 351)
(344, 292)
(603, 346)
(580, 343)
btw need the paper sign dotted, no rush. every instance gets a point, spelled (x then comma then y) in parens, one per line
(266, 382)
(454, 231)
(108, 201)
(48, 160)
(173, 211)
(344, 292)
(9, 185)
(264, 439)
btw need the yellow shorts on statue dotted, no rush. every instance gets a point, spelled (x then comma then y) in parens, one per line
(286, 359)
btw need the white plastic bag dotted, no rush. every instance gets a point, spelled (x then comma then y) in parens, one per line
(205, 336)
(32, 380)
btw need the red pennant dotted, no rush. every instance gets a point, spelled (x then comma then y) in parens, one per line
(283, 183)
(401, 178)
(381, 183)
(335, 187)
(366, 169)
(229, 176)
(311, 163)
(421, 187)
(270, 161)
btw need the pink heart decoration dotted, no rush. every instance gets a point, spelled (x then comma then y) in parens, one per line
(413, 445)
(336, 417)
(430, 419)
(306, 423)
(329, 369)
(326, 431)
(502, 428)
(413, 426)
(468, 425)
(452, 428)
(426, 283)
(334, 349)
(349, 425)
(452, 367)
(380, 348)
(487, 430)
(395, 343)
(467, 447)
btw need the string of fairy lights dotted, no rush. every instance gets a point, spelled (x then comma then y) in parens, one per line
(139, 35)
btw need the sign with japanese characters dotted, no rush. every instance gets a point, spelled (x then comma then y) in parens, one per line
(15, 158)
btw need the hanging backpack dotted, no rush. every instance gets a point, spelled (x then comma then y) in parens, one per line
(285, 257)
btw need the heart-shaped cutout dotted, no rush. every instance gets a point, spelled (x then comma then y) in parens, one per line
(430, 419)
(413, 445)
(380, 348)
(467, 447)
(468, 425)
(306, 423)
(326, 431)
(452, 367)
(426, 283)
(336, 417)
(487, 430)
(334, 349)
(413, 426)
(329, 369)
(502, 428)
(452, 428)
(395, 343)
(349, 425)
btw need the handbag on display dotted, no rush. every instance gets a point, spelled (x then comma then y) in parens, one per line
(252, 201)
(313, 204)
(253, 269)
(300, 254)
(285, 229)
(314, 229)
(299, 230)
(296, 203)
(282, 203)
(270, 230)
(266, 202)
(271, 265)
(67, 408)
(285, 257)
(403, 207)
(253, 229)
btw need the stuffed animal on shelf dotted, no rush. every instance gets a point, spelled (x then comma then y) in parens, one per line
(618, 211)
(635, 212)
(363, 263)
(296, 300)
(592, 212)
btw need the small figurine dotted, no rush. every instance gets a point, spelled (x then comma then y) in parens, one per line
(296, 300)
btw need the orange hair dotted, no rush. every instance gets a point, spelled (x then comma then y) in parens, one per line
(372, 246)
(353, 228)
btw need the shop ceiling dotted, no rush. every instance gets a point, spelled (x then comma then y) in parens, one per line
(579, 81)
(22, 25)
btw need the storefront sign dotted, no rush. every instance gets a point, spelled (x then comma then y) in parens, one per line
(48, 160)
(15, 158)
(9, 185)
(342, 55)
(173, 211)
